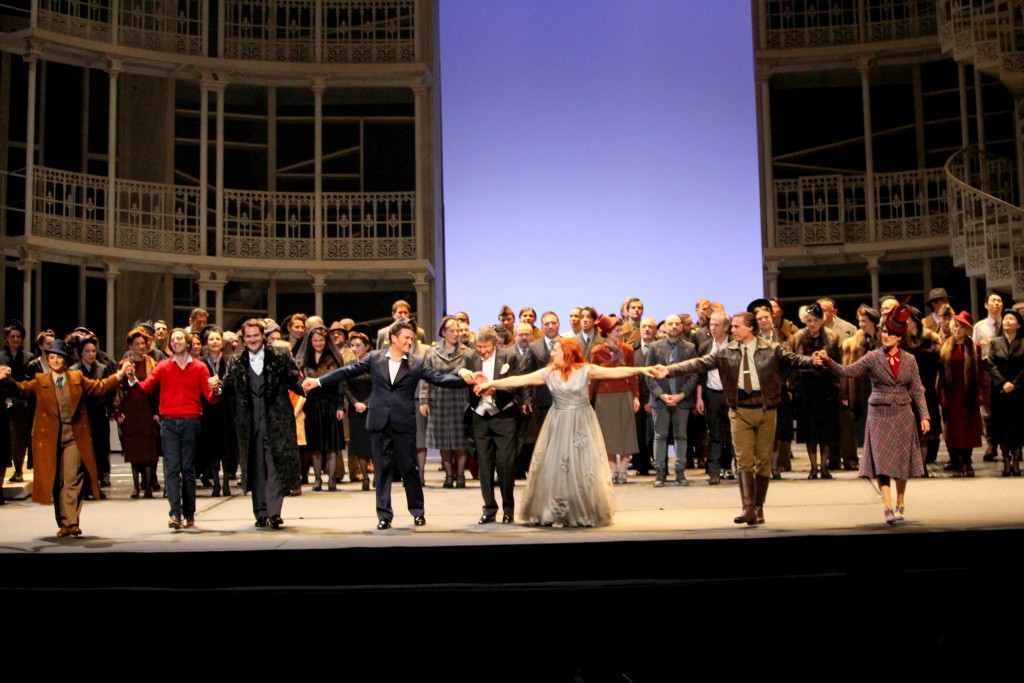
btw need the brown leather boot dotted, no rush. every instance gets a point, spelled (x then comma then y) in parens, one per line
(748, 515)
(760, 493)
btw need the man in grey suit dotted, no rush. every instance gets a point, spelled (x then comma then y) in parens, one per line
(670, 400)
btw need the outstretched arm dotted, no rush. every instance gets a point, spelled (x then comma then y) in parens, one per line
(535, 378)
(620, 372)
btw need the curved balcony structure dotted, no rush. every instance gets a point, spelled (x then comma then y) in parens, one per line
(291, 143)
(987, 228)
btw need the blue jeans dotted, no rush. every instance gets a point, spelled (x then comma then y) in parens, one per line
(179, 436)
(663, 416)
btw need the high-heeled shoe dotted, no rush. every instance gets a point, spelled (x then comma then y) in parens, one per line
(813, 474)
(898, 513)
(890, 516)
(825, 474)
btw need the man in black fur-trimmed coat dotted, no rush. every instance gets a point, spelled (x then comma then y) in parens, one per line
(258, 380)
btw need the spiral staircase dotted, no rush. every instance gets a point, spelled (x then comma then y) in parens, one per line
(985, 216)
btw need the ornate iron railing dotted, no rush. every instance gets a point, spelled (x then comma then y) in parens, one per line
(163, 25)
(824, 23)
(342, 31)
(333, 31)
(986, 228)
(986, 33)
(268, 225)
(71, 207)
(377, 225)
(833, 209)
(155, 217)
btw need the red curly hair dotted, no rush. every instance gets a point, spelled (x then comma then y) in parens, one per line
(572, 356)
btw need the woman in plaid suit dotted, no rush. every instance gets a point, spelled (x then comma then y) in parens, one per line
(891, 445)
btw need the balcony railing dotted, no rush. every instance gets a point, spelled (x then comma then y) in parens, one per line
(154, 217)
(320, 30)
(332, 31)
(832, 209)
(161, 25)
(829, 23)
(986, 33)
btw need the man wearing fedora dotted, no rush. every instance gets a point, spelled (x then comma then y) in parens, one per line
(937, 298)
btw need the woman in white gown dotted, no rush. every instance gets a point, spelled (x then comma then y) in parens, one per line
(569, 483)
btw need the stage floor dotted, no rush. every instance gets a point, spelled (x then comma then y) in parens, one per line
(796, 506)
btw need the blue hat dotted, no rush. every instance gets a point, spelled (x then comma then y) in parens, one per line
(60, 348)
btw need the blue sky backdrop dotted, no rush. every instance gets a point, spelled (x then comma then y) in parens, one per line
(595, 150)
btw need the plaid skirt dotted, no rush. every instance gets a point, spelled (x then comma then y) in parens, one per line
(445, 424)
(891, 445)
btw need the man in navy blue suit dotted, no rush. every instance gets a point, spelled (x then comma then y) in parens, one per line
(391, 414)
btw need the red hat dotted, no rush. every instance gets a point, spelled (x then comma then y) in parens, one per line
(964, 318)
(607, 323)
(896, 320)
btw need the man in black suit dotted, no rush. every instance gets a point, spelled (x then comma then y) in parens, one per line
(537, 399)
(642, 461)
(494, 423)
(391, 414)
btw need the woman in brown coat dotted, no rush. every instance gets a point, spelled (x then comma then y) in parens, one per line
(615, 401)
(137, 417)
(62, 448)
(959, 392)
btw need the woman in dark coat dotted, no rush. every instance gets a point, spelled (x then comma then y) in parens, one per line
(19, 416)
(891, 449)
(959, 392)
(357, 395)
(1005, 364)
(925, 346)
(817, 422)
(324, 409)
(217, 440)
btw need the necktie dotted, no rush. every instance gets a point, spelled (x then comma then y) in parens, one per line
(997, 325)
(60, 383)
(673, 356)
(748, 385)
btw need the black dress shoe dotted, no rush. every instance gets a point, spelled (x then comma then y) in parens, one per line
(276, 522)
(419, 521)
(262, 522)
(486, 519)
(383, 524)
(506, 519)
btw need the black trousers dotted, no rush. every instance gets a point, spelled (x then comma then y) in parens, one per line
(495, 438)
(396, 450)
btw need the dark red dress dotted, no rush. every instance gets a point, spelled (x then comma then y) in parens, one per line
(961, 413)
(139, 432)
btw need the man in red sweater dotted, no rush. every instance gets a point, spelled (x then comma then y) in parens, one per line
(182, 383)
